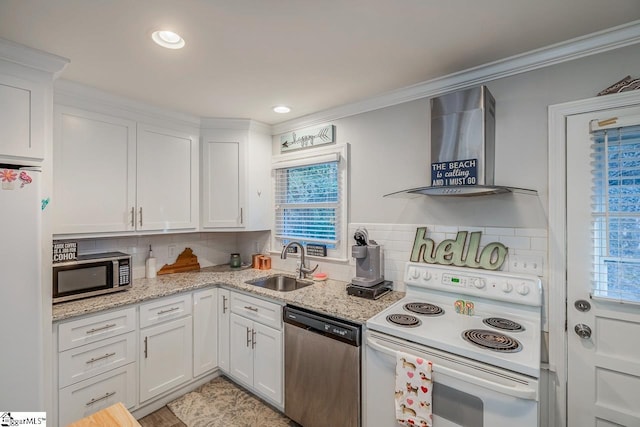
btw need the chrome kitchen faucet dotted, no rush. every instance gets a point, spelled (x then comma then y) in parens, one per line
(302, 270)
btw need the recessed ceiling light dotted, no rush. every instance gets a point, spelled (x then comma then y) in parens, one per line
(282, 109)
(168, 39)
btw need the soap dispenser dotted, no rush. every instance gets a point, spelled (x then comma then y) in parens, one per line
(150, 265)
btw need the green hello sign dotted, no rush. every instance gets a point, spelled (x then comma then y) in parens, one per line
(452, 252)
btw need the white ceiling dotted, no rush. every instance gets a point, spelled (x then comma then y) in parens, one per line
(242, 57)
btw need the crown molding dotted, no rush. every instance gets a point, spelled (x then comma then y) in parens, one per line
(32, 58)
(237, 124)
(591, 44)
(75, 94)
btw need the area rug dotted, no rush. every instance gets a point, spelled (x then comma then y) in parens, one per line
(221, 403)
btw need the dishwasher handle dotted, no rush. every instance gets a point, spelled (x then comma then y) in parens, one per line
(325, 325)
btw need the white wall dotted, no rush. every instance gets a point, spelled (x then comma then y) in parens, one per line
(390, 151)
(390, 148)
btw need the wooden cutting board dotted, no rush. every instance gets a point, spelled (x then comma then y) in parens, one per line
(113, 416)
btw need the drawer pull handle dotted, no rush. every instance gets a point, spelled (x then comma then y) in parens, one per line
(110, 325)
(248, 336)
(168, 310)
(95, 359)
(94, 400)
(248, 307)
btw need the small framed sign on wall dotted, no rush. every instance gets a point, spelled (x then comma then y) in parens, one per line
(306, 138)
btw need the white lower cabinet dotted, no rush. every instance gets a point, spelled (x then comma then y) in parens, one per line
(205, 331)
(96, 363)
(86, 397)
(256, 354)
(165, 356)
(144, 352)
(224, 317)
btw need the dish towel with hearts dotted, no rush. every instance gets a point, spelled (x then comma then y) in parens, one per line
(413, 390)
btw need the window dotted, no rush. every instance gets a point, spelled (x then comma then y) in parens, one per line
(310, 199)
(616, 213)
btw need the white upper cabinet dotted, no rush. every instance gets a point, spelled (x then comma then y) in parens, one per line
(112, 174)
(236, 185)
(167, 178)
(22, 119)
(26, 78)
(222, 181)
(94, 172)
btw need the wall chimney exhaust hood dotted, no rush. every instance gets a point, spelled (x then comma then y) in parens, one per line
(462, 147)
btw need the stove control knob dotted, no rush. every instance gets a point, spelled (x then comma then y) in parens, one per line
(507, 287)
(523, 289)
(426, 276)
(414, 273)
(478, 283)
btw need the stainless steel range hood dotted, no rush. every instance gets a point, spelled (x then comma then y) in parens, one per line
(462, 147)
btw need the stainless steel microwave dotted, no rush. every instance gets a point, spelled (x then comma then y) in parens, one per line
(91, 275)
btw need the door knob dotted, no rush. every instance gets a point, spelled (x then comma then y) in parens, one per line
(583, 331)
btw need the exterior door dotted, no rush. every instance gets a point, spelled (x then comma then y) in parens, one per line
(603, 366)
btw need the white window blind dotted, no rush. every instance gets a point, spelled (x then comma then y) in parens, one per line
(308, 203)
(616, 213)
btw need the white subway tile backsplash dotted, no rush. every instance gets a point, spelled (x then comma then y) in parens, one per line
(500, 231)
(513, 242)
(531, 232)
(539, 244)
(398, 239)
(444, 229)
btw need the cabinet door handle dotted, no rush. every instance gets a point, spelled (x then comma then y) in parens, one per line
(95, 359)
(248, 337)
(169, 310)
(133, 216)
(140, 216)
(241, 219)
(146, 353)
(248, 307)
(224, 304)
(94, 400)
(107, 326)
(253, 338)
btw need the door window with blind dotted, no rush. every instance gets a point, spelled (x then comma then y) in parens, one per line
(616, 210)
(310, 200)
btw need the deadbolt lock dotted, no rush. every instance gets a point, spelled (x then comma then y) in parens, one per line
(582, 305)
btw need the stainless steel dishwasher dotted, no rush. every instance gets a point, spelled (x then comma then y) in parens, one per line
(322, 369)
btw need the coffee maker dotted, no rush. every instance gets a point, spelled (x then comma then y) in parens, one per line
(369, 281)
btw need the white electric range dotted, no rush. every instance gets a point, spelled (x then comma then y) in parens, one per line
(481, 330)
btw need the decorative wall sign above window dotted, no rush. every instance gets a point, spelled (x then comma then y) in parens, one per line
(452, 252)
(306, 138)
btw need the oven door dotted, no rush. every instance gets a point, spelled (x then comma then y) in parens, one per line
(465, 392)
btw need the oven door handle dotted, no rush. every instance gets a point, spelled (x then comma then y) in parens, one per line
(519, 392)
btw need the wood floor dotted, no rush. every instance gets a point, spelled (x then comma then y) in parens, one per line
(163, 417)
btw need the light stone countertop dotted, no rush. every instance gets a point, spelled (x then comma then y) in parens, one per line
(328, 297)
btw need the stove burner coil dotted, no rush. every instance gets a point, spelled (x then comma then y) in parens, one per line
(424, 308)
(492, 340)
(404, 320)
(504, 324)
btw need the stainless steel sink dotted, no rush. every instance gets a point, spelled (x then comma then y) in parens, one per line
(280, 283)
